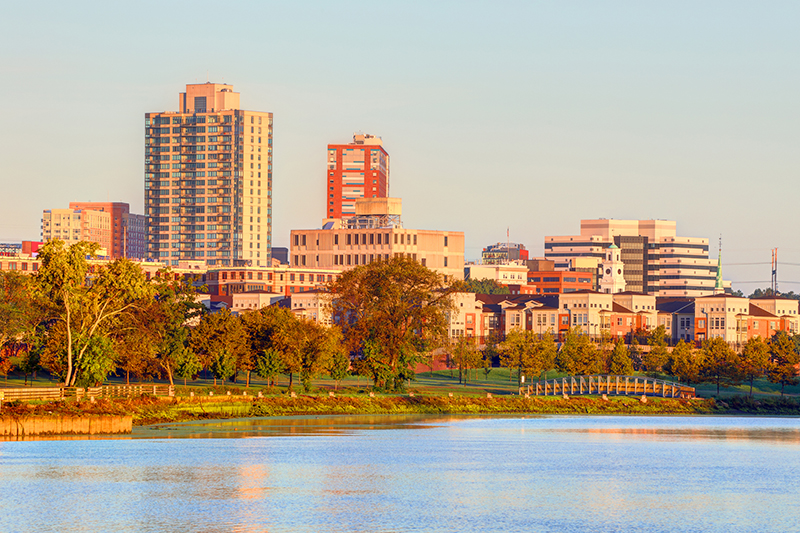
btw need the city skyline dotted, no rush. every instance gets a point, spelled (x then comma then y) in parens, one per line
(525, 116)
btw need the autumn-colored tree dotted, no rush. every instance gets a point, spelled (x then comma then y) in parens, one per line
(785, 359)
(755, 361)
(391, 308)
(269, 334)
(318, 345)
(219, 338)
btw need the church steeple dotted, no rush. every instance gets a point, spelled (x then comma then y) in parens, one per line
(613, 280)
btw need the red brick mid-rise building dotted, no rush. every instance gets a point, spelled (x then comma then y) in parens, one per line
(356, 170)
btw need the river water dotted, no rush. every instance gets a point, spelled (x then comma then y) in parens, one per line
(414, 473)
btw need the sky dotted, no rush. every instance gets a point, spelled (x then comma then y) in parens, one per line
(498, 116)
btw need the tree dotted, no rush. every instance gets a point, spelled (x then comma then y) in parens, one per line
(465, 355)
(268, 365)
(392, 309)
(684, 363)
(620, 363)
(578, 356)
(219, 339)
(720, 363)
(87, 304)
(29, 362)
(784, 360)
(755, 360)
(314, 346)
(339, 366)
(484, 286)
(658, 356)
(187, 364)
(165, 320)
(98, 360)
(531, 355)
(17, 309)
(271, 331)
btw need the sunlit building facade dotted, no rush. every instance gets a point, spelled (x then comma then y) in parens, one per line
(208, 180)
(356, 170)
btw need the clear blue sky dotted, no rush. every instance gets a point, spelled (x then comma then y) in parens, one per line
(521, 115)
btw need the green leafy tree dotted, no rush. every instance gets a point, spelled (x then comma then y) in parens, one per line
(97, 361)
(484, 286)
(87, 304)
(620, 363)
(685, 363)
(187, 364)
(578, 356)
(339, 366)
(18, 311)
(223, 364)
(657, 357)
(392, 309)
(269, 364)
(465, 355)
(784, 360)
(720, 363)
(29, 363)
(755, 360)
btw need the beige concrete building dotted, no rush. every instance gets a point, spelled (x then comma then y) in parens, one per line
(376, 233)
(75, 225)
(655, 259)
(505, 274)
(208, 180)
(314, 305)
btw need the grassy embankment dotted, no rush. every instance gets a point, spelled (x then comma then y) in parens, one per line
(431, 396)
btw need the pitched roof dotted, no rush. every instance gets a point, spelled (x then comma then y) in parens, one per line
(619, 309)
(757, 311)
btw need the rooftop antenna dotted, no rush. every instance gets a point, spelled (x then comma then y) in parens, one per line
(718, 287)
(508, 244)
(774, 271)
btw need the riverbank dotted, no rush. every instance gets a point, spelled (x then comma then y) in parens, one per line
(151, 410)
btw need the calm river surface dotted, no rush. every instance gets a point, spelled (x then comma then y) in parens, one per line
(414, 473)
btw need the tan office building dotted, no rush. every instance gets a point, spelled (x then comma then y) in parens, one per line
(376, 233)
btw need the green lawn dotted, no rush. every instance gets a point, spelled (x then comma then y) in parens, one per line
(439, 382)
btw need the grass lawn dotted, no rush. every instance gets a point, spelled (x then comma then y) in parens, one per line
(440, 382)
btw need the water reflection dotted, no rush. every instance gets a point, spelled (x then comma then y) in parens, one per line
(413, 473)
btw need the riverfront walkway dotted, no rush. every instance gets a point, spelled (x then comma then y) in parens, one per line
(609, 385)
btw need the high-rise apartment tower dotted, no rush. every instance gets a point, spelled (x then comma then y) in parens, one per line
(356, 170)
(208, 180)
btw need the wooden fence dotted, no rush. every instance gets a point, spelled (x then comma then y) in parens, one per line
(106, 391)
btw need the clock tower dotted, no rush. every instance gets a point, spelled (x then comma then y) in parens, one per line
(613, 280)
